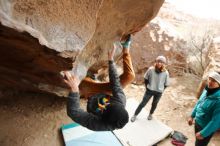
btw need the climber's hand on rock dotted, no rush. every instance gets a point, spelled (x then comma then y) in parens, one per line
(72, 81)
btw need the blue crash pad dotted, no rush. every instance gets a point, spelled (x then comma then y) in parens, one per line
(76, 135)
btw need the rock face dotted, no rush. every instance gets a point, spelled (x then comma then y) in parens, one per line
(41, 38)
(115, 19)
(213, 59)
(170, 34)
(151, 42)
(26, 65)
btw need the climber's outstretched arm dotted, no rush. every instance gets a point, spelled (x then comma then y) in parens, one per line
(77, 114)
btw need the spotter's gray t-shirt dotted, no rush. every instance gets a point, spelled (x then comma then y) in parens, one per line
(157, 81)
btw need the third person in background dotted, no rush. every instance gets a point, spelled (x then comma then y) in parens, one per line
(206, 112)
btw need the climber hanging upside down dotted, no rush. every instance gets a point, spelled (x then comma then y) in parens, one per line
(106, 100)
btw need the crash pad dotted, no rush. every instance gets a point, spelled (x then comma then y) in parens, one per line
(76, 135)
(142, 132)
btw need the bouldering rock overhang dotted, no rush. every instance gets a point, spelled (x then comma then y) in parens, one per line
(41, 38)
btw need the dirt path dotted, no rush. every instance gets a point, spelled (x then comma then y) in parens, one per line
(34, 120)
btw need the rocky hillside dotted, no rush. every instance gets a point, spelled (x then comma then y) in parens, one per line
(181, 37)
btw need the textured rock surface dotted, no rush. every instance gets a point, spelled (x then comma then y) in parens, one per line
(213, 59)
(115, 19)
(170, 34)
(26, 65)
(80, 30)
(151, 42)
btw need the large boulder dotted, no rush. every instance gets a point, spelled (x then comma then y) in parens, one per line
(41, 38)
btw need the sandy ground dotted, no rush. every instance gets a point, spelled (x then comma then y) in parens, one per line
(35, 120)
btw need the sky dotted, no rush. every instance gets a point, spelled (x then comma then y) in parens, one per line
(200, 8)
